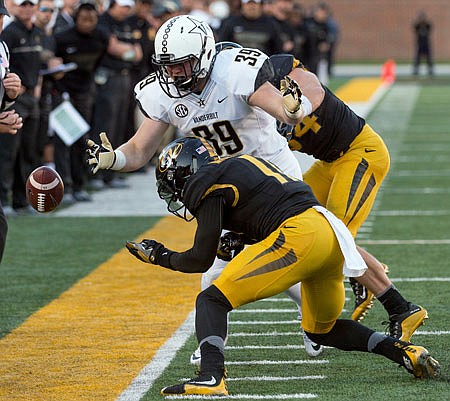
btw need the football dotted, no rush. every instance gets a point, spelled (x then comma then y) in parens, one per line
(45, 189)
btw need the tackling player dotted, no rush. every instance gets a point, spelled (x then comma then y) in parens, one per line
(225, 98)
(352, 161)
(293, 239)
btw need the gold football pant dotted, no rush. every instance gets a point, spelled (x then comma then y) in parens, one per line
(304, 248)
(348, 186)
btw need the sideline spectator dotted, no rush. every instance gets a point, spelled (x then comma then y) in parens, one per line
(252, 29)
(113, 81)
(318, 43)
(144, 32)
(10, 121)
(64, 19)
(333, 37)
(84, 44)
(20, 157)
(45, 149)
(422, 29)
(281, 11)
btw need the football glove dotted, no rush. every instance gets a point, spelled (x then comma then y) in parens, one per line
(230, 245)
(292, 102)
(148, 250)
(100, 156)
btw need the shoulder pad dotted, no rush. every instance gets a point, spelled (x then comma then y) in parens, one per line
(282, 66)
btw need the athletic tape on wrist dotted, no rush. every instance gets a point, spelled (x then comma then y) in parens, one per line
(120, 161)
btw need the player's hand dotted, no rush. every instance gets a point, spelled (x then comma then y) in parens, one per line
(292, 102)
(12, 85)
(10, 122)
(230, 245)
(100, 156)
(147, 250)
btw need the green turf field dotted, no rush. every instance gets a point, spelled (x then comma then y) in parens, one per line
(409, 230)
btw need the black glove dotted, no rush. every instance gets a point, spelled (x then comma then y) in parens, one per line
(230, 245)
(148, 250)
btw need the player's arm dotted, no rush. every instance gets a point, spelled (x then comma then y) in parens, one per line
(309, 85)
(130, 156)
(200, 257)
(287, 105)
(142, 146)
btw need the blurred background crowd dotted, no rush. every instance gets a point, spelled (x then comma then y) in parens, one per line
(111, 43)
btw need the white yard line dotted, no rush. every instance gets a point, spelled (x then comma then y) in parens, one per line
(280, 362)
(297, 396)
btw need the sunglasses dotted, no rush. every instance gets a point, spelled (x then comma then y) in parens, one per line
(46, 9)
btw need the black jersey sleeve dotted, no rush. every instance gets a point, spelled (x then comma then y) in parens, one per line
(201, 256)
(265, 74)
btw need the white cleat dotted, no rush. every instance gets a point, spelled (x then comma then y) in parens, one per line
(311, 348)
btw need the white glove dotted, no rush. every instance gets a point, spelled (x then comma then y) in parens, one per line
(292, 102)
(100, 156)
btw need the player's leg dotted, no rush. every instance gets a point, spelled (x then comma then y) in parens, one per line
(260, 271)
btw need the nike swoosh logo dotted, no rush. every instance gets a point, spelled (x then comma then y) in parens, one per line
(221, 100)
(369, 150)
(211, 382)
(316, 347)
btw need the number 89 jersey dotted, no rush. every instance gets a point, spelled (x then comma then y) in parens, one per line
(221, 114)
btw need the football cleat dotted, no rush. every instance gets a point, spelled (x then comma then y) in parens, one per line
(403, 325)
(201, 385)
(363, 298)
(196, 357)
(311, 348)
(418, 361)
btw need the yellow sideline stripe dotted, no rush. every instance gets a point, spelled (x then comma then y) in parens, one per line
(358, 89)
(93, 340)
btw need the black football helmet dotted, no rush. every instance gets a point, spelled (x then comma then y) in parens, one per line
(178, 161)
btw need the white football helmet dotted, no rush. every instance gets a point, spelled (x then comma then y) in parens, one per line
(180, 39)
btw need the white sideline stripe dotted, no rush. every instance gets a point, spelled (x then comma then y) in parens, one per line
(163, 357)
(297, 396)
(404, 242)
(283, 362)
(276, 378)
(411, 212)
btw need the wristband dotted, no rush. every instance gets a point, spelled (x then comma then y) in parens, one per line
(307, 106)
(119, 160)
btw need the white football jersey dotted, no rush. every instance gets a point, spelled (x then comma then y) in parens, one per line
(221, 114)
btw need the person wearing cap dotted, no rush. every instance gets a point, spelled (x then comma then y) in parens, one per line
(113, 80)
(10, 121)
(144, 32)
(84, 44)
(64, 19)
(19, 153)
(252, 29)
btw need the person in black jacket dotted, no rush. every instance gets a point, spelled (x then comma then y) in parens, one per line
(84, 44)
(10, 121)
(252, 29)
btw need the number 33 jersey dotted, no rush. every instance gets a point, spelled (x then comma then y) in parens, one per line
(220, 113)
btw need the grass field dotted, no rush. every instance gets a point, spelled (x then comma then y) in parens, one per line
(409, 229)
